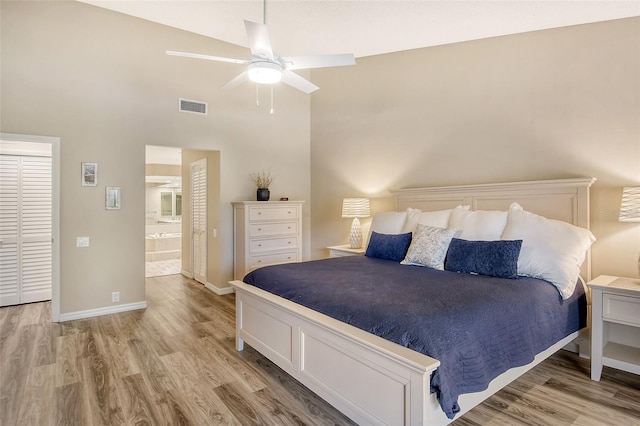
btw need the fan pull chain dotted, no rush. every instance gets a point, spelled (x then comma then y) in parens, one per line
(272, 99)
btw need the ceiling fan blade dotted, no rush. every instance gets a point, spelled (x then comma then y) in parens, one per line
(259, 40)
(238, 80)
(318, 61)
(208, 57)
(294, 80)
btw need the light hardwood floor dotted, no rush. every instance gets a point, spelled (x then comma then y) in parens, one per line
(175, 364)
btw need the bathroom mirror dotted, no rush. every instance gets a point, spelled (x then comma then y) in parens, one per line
(166, 204)
(171, 204)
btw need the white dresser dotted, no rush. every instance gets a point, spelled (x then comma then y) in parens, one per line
(266, 233)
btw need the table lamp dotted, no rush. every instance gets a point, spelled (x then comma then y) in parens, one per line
(355, 208)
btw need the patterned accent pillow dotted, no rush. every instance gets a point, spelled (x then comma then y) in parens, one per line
(429, 247)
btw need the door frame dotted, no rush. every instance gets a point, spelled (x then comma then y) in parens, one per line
(55, 213)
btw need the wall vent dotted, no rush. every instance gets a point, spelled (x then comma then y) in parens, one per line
(194, 107)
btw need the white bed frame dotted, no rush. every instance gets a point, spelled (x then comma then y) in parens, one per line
(372, 380)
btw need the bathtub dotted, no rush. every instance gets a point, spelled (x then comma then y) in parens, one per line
(163, 246)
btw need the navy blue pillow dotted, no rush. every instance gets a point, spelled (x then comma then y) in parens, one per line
(493, 258)
(388, 246)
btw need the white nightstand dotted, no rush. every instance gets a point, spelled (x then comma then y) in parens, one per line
(613, 300)
(346, 250)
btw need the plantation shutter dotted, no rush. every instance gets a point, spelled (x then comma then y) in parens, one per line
(25, 229)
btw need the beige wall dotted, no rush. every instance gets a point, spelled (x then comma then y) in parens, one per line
(101, 82)
(542, 105)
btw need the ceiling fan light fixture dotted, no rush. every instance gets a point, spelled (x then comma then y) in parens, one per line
(264, 72)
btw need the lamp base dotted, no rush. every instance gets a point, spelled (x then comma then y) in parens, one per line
(355, 235)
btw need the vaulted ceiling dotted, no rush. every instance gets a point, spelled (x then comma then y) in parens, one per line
(369, 27)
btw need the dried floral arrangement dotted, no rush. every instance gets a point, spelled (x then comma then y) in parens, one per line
(262, 179)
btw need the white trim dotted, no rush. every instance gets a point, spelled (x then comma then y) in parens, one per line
(55, 213)
(220, 291)
(89, 313)
(186, 274)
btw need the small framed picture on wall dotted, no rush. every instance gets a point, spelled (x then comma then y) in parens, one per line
(89, 174)
(112, 198)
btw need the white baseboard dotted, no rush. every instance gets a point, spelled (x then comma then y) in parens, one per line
(220, 291)
(186, 274)
(102, 311)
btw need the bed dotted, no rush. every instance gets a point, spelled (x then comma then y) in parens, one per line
(373, 380)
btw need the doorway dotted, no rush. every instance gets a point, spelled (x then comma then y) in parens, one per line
(163, 219)
(201, 249)
(29, 220)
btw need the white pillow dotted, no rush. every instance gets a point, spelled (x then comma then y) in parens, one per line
(551, 249)
(479, 225)
(413, 218)
(388, 222)
(429, 247)
(437, 219)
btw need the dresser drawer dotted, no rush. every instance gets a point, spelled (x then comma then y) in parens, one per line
(272, 259)
(257, 246)
(623, 309)
(275, 228)
(273, 213)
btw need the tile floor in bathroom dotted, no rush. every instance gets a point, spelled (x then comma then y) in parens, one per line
(163, 267)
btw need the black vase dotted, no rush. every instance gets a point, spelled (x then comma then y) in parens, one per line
(263, 194)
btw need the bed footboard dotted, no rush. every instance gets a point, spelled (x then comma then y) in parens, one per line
(367, 378)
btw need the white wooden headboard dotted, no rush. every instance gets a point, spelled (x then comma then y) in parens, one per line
(560, 199)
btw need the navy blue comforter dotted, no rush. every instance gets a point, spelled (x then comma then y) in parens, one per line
(476, 326)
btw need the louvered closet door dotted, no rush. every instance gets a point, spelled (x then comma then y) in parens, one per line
(25, 229)
(9, 225)
(199, 219)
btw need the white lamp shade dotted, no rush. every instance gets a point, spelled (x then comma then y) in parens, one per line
(355, 207)
(630, 205)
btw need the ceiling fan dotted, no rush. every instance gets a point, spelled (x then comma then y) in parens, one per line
(266, 67)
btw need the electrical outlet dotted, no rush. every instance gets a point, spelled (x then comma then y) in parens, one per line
(115, 297)
(82, 242)
(215, 232)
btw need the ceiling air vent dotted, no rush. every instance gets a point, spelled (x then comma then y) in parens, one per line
(194, 107)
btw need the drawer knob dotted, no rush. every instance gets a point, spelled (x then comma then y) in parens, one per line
(259, 229)
(259, 213)
(289, 258)
(288, 242)
(289, 227)
(259, 261)
(259, 245)
(289, 212)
